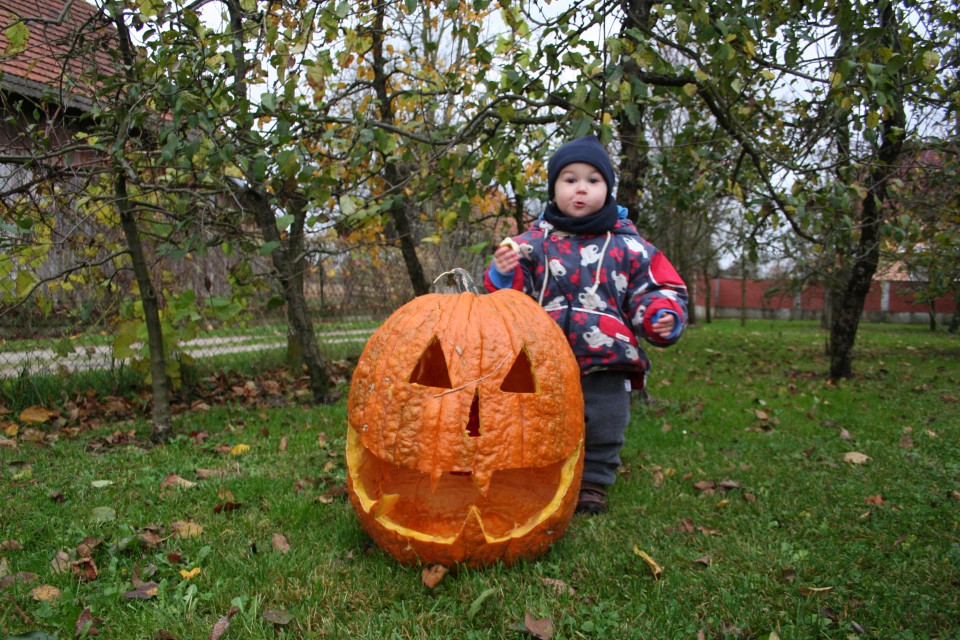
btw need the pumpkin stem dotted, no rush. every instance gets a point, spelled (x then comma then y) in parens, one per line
(459, 279)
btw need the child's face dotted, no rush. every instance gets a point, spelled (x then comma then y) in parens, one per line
(580, 190)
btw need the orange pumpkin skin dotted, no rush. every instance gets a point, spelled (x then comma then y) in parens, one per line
(465, 439)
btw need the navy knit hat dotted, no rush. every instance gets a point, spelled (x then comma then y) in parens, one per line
(586, 149)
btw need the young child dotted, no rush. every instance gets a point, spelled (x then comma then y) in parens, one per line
(607, 287)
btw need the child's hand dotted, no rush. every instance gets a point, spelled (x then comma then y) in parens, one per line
(506, 258)
(665, 325)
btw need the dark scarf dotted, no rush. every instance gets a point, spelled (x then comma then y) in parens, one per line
(596, 224)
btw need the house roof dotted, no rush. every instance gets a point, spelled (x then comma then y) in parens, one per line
(49, 49)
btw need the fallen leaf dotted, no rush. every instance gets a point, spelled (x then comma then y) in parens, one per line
(277, 616)
(45, 592)
(174, 481)
(704, 560)
(206, 474)
(761, 415)
(855, 457)
(85, 569)
(223, 624)
(103, 514)
(143, 591)
(655, 568)
(85, 549)
(283, 444)
(657, 478)
(539, 628)
(86, 626)
(61, 562)
(22, 577)
(432, 575)
(845, 435)
(812, 591)
(186, 529)
(191, 574)
(240, 449)
(280, 543)
(100, 484)
(227, 506)
(10, 545)
(559, 586)
(36, 415)
(877, 500)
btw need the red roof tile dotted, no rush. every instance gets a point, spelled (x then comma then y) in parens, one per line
(67, 40)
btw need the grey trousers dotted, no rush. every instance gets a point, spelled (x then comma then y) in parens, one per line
(606, 400)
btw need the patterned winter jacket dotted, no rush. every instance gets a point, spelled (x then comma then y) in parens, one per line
(605, 291)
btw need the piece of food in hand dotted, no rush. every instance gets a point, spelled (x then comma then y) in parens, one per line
(509, 242)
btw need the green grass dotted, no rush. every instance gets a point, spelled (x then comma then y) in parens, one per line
(793, 542)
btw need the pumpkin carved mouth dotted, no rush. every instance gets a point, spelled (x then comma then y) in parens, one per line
(515, 501)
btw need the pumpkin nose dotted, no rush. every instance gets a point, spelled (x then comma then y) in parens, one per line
(473, 424)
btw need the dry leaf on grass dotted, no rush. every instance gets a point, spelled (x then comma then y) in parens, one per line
(855, 457)
(173, 481)
(183, 529)
(432, 575)
(559, 586)
(36, 415)
(223, 624)
(280, 543)
(61, 562)
(85, 569)
(45, 592)
(655, 568)
(86, 626)
(540, 628)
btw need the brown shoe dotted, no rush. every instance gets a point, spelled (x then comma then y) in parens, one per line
(593, 499)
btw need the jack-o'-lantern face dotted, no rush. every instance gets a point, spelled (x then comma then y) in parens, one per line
(466, 430)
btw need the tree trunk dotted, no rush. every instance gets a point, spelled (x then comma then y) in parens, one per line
(399, 213)
(633, 143)
(743, 291)
(708, 298)
(866, 257)
(691, 301)
(288, 264)
(159, 385)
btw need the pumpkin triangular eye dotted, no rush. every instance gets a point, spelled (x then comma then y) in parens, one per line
(520, 378)
(431, 368)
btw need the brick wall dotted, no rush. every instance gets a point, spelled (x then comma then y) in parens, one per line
(887, 301)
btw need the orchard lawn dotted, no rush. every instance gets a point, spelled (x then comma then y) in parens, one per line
(756, 500)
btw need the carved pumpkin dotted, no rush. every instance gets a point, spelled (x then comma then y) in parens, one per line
(465, 439)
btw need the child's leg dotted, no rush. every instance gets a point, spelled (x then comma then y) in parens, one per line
(606, 399)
